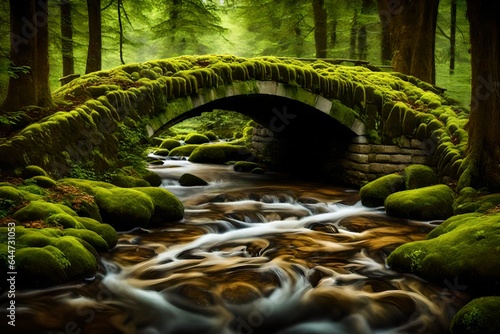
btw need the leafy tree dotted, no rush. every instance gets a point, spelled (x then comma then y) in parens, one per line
(181, 23)
(484, 121)
(320, 27)
(29, 50)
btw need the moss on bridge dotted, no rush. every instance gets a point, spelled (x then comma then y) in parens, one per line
(391, 105)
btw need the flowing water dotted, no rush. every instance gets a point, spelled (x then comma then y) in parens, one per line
(254, 254)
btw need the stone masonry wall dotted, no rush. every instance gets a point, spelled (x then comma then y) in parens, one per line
(366, 162)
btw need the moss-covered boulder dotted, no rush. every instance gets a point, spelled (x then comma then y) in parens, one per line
(167, 207)
(152, 178)
(10, 197)
(374, 193)
(94, 239)
(257, 170)
(44, 181)
(32, 170)
(190, 180)
(162, 152)
(210, 135)
(40, 267)
(427, 203)
(63, 220)
(481, 315)
(245, 166)
(39, 209)
(196, 138)
(464, 247)
(105, 231)
(126, 181)
(170, 144)
(418, 176)
(219, 153)
(472, 200)
(182, 151)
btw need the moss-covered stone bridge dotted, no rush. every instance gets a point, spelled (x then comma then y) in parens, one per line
(368, 123)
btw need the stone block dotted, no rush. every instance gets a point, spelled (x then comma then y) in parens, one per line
(400, 159)
(353, 166)
(376, 168)
(361, 158)
(413, 151)
(388, 149)
(360, 148)
(382, 158)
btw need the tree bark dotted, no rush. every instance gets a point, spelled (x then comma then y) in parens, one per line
(384, 13)
(44, 98)
(320, 28)
(95, 39)
(412, 28)
(484, 121)
(453, 30)
(353, 36)
(121, 30)
(68, 59)
(29, 47)
(333, 33)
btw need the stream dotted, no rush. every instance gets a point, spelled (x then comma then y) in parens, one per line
(254, 254)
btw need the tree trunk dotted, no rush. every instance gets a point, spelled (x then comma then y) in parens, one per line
(384, 13)
(320, 28)
(453, 30)
(67, 38)
(333, 33)
(484, 120)
(95, 42)
(121, 30)
(412, 27)
(29, 47)
(353, 36)
(367, 7)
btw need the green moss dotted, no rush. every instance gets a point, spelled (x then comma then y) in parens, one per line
(94, 239)
(151, 177)
(190, 180)
(170, 144)
(210, 135)
(219, 153)
(196, 138)
(11, 194)
(64, 220)
(96, 91)
(182, 151)
(162, 152)
(38, 267)
(244, 166)
(427, 203)
(30, 171)
(44, 181)
(418, 176)
(167, 208)
(126, 181)
(374, 193)
(464, 247)
(37, 210)
(82, 262)
(481, 315)
(105, 231)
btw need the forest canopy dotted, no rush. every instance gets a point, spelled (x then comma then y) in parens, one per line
(136, 31)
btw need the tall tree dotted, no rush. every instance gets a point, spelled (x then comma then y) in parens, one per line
(453, 30)
(94, 53)
(67, 38)
(384, 13)
(484, 120)
(320, 28)
(412, 28)
(29, 49)
(353, 36)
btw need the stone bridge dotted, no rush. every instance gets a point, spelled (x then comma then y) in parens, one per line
(333, 119)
